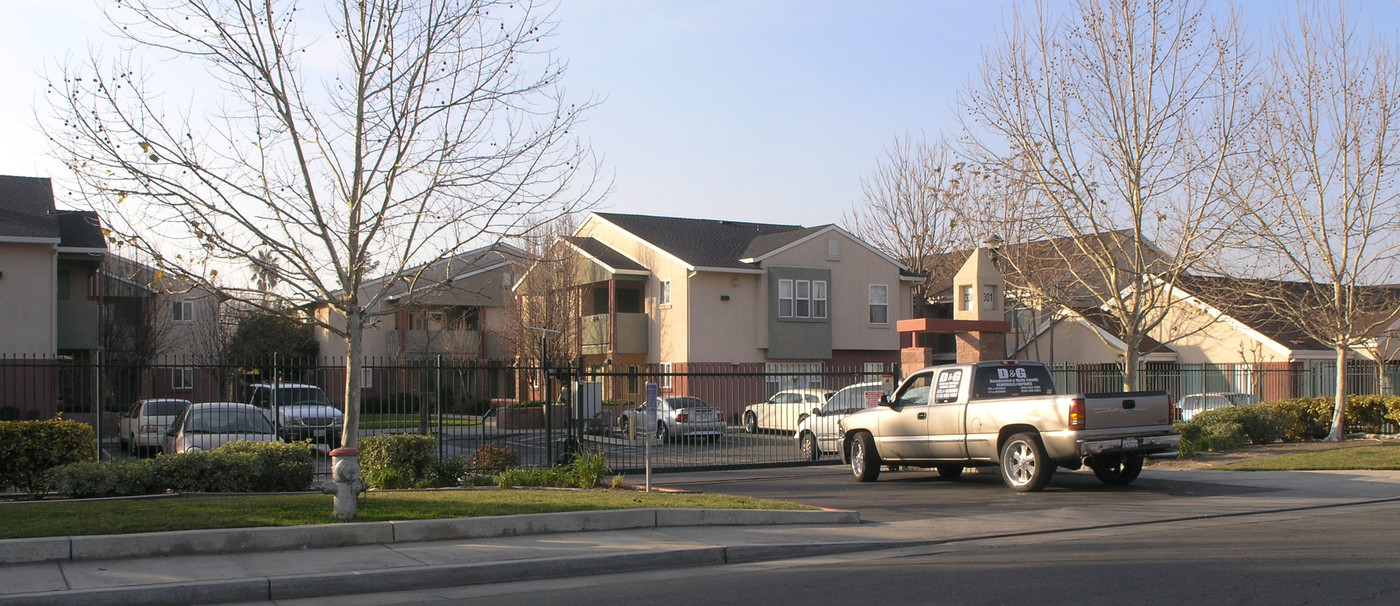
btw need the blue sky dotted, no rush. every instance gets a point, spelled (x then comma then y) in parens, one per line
(768, 111)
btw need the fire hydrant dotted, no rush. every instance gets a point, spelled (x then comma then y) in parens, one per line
(345, 482)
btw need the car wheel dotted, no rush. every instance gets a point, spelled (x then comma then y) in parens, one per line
(951, 472)
(865, 462)
(750, 422)
(808, 443)
(1024, 465)
(1116, 470)
(663, 434)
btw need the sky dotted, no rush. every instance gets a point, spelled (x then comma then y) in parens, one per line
(757, 110)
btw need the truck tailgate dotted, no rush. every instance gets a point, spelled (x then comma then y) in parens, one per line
(1130, 409)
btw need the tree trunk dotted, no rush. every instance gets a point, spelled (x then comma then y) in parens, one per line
(1339, 414)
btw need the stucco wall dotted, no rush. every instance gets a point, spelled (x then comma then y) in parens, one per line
(852, 273)
(28, 296)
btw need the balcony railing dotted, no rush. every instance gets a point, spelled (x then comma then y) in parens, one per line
(631, 334)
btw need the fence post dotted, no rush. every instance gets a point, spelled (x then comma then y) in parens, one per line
(437, 388)
(97, 369)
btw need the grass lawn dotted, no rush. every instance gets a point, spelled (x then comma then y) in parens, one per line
(119, 516)
(402, 421)
(1385, 456)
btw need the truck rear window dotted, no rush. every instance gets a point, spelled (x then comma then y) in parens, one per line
(1012, 381)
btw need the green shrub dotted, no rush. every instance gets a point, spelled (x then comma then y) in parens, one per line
(588, 467)
(29, 449)
(82, 480)
(1299, 418)
(410, 456)
(447, 472)
(493, 458)
(557, 477)
(1255, 423)
(279, 466)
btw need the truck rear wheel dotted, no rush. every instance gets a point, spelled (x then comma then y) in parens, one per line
(865, 462)
(1024, 465)
(1116, 470)
(951, 472)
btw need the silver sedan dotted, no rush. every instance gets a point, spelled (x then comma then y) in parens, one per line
(676, 417)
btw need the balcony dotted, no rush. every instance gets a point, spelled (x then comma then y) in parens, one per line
(631, 334)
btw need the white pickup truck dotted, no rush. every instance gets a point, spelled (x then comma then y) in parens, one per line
(1007, 414)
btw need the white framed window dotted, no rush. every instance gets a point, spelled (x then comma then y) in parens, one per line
(989, 297)
(666, 375)
(664, 298)
(182, 379)
(784, 298)
(182, 311)
(879, 304)
(819, 299)
(366, 378)
(802, 300)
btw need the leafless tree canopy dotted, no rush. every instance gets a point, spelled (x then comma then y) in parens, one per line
(324, 144)
(1318, 199)
(1116, 119)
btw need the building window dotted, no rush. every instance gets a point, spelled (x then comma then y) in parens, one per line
(666, 375)
(803, 299)
(182, 311)
(182, 379)
(665, 297)
(366, 378)
(819, 299)
(784, 298)
(989, 295)
(879, 304)
(833, 249)
(633, 384)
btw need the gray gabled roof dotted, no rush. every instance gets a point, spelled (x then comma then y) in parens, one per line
(27, 213)
(704, 243)
(606, 255)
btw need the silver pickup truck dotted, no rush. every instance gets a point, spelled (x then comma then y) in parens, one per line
(1007, 414)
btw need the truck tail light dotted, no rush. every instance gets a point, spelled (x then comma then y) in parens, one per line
(682, 417)
(1176, 410)
(1076, 413)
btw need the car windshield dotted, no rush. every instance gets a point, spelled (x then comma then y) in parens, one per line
(1242, 399)
(165, 408)
(293, 396)
(227, 420)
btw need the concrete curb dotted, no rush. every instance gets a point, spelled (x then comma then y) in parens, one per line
(278, 538)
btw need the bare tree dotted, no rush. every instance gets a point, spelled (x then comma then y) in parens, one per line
(1115, 124)
(911, 208)
(547, 301)
(1319, 203)
(391, 134)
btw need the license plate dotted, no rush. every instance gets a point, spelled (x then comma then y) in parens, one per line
(321, 433)
(1131, 442)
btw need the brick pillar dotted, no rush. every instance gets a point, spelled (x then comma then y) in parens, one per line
(914, 358)
(980, 346)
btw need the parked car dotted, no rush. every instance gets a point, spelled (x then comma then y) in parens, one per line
(142, 429)
(210, 425)
(818, 433)
(782, 411)
(677, 417)
(302, 411)
(1201, 402)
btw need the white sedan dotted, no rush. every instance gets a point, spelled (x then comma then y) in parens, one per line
(142, 429)
(818, 433)
(211, 425)
(783, 410)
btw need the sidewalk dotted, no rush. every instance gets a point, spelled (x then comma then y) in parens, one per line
(252, 565)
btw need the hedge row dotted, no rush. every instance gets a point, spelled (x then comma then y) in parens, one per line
(29, 449)
(234, 467)
(1294, 420)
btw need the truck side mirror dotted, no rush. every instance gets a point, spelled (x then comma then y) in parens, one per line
(885, 400)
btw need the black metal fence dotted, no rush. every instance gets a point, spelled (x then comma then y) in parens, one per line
(544, 412)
